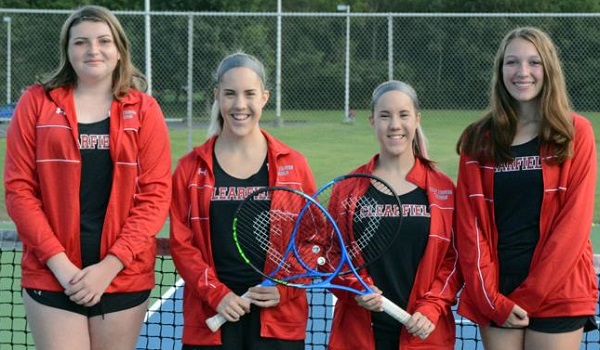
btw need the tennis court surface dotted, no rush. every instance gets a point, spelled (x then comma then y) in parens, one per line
(164, 320)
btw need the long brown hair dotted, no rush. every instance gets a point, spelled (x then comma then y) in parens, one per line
(125, 76)
(490, 137)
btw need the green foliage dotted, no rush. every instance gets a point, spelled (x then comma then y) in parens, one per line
(212, 5)
(469, 6)
(515, 6)
(72, 4)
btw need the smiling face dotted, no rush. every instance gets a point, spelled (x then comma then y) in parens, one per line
(395, 120)
(522, 71)
(241, 97)
(92, 51)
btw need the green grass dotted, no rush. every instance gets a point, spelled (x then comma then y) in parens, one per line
(333, 148)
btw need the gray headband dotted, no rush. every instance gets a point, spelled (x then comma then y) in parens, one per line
(395, 85)
(241, 60)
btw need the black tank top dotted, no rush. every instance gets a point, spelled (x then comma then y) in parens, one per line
(394, 273)
(95, 186)
(518, 192)
(227, 195)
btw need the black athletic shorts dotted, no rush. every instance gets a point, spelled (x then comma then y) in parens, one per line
(559, 324)
(245, 334)
(109, 302)
(387, 340)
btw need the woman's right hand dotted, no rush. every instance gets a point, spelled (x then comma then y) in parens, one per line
(517, 318)
(62, 268)
(232, 307)
(371, 302)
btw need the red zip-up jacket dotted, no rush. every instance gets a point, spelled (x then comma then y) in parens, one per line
(193, 183)
(561, 279)
(436, 283)
(42, 174)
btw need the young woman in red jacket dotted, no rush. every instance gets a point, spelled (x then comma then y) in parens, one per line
(525, 198)
(88, 184)
(419, 272)
(209, 184)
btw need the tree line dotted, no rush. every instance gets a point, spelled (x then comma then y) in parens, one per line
(466, 6)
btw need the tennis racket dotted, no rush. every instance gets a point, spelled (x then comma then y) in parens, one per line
(367, 213)
(317, 254)
(276, 240)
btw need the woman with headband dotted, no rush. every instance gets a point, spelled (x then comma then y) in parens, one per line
(209, 184)
(419, 271)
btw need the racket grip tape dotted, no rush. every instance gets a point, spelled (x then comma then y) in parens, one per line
(395, 311)
(215, 322)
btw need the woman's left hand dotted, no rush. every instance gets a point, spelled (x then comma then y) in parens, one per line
(264, 296)
(419, 325)
(88, 285)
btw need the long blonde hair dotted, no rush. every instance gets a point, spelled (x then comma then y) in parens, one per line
(235, 60)
(419, 144)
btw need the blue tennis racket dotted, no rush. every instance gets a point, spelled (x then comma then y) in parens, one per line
(367, 214)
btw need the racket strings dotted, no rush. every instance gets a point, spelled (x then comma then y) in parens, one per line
(367, 212)
(260, 227)
(256, 241)
(378, 223)
(274, 240)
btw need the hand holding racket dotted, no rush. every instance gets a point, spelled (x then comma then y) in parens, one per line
(317, 254)
(367, 214)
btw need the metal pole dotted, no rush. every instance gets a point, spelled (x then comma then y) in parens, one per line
(347, 83)
(347, 119)
(390, 47)
(8, 21)
(148, 47)
(278, 119)
(190, 89)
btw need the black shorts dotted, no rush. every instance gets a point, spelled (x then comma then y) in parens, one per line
(387, 340)
(245, 334)
(559, 324)
(110, 302)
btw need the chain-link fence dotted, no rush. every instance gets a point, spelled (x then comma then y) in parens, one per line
(447, 57)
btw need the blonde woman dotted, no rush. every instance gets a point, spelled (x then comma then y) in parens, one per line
(210, 182)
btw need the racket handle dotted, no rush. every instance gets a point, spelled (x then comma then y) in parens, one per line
(215, 322)
(395, 311)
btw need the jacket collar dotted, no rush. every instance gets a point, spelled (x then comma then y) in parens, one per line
(276, 147)
(62, 94)
(417, 175)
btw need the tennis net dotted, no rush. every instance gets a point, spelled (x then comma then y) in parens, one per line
(163, 325)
